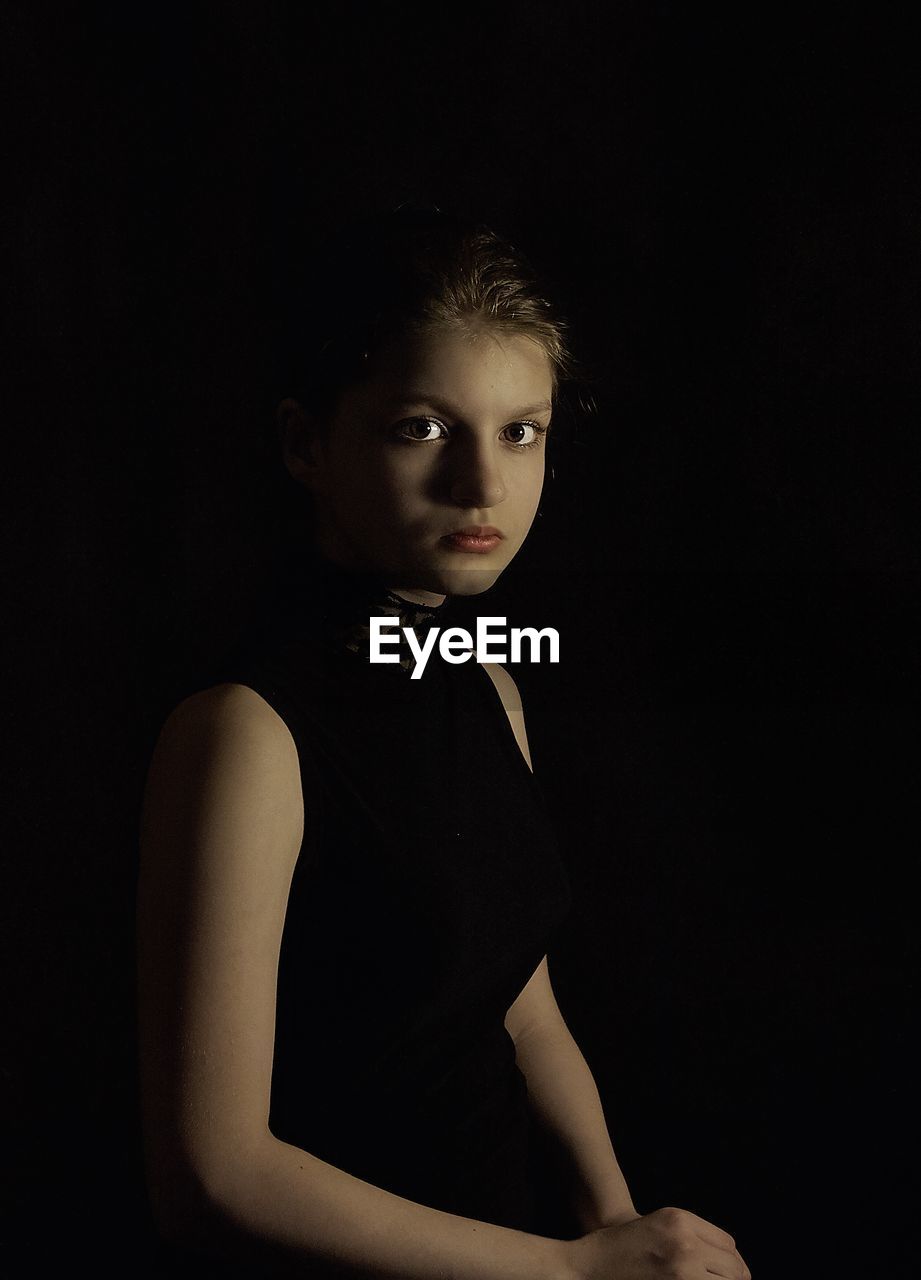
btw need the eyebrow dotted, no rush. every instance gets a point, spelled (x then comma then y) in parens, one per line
(421, 397)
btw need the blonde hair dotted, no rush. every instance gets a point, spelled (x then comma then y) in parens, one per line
(407, 272)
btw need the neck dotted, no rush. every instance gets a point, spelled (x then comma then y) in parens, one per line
(413, 595)
(346, 597)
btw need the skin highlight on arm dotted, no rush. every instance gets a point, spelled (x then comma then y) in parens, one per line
(561, 1087)
(222, 825)
(566, 1103)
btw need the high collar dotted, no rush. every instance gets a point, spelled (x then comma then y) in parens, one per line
(340, 602)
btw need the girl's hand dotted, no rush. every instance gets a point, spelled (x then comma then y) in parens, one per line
(670, 1244)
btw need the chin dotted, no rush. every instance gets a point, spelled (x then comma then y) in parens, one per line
(451, 574)
(466, 581)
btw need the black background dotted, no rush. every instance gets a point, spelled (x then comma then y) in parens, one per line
(728, 201)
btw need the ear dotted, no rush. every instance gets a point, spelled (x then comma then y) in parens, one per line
(300, 442)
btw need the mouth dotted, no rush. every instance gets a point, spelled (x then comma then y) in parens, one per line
(476, 538)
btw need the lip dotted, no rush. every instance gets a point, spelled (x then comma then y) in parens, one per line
(476, 538)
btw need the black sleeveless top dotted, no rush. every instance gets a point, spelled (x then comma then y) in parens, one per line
(427, 890)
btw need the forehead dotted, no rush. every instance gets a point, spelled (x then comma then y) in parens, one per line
(480, 367)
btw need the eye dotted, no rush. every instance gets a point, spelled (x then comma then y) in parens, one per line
(536, 430)
(416, 431)
(405, 429)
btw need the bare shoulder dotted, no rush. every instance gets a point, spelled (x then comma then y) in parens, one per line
(226, 705)
(231, 718)
(225, 749)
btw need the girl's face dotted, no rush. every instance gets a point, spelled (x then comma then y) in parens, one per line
(449, 432)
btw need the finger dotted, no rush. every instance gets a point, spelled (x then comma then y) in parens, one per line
(710, 1233)
(726, 1263)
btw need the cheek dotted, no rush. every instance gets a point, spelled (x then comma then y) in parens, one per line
(385, 487)
(535, 483)
(402, 476)
(361, 477)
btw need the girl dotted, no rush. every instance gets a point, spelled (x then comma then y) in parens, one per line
(351, 1057)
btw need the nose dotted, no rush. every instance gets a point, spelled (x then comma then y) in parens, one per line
(477, 479)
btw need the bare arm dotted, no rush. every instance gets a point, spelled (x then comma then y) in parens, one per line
(221, 828)
(619, 1243)
(561, 1087)
(566, 1101)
